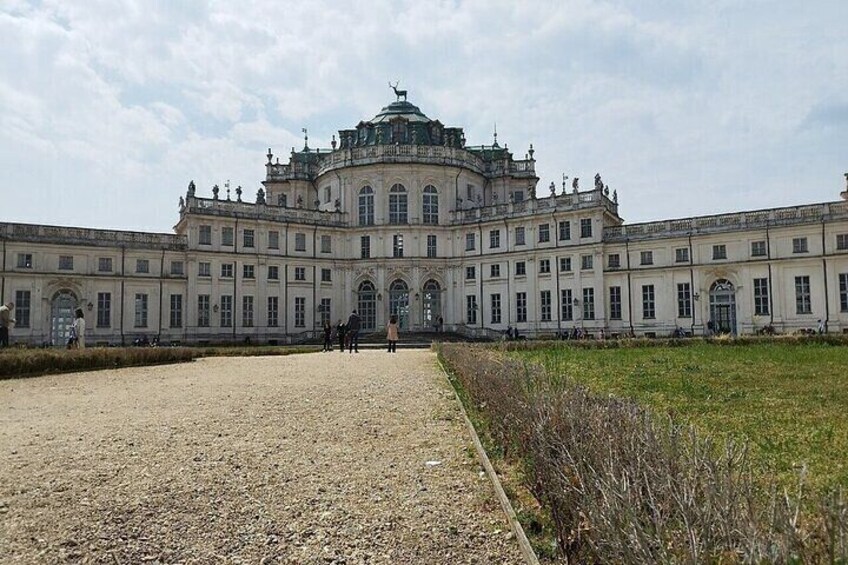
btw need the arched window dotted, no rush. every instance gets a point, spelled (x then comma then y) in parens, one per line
(430, 206)
(399, 302)
(366, 206)
(398, 205)
(366, 305)
(432, 304)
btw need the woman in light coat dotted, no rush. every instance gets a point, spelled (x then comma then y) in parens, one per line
(392, 334)
(79, 329)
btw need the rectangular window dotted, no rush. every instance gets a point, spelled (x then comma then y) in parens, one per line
(66, 262)
(104, 264)
(544, 266)
(140, 320)
(615, 302)
(273, 311)
(719, 252)
(248, 271)
(25, 260)
(496, 309)
(544, 233)
(586, 262)
(519, 236)
(470, 242)
(566, 305)
(564, 230)
(586, 227)
(326, 275)
(545, 304)
(273, 239)
(365, 247)
(326, 244)
(495, 271)
(397, 245)
(204, 269)
(203, 310)
(226, 270)
(300, 273)
(520, 307)
(300, 242)
(681, 255)
(761, 297)
(227, 237)
(248, 238)
(649, 308)
(431, 246)
(226, 311)
(326, 310)
(494, 239)
(520, 268)
(23, 301)
(247, 311)
(799, 245)
(842, 241)
(273, 273)
(614, 261)
(205, 235)
(646, 258)
(470, 273)
(588, 303)
(142, 266)
(299, 312)
(565, 264)
(176, 317)
(803, 303)
(684, 300)
(104, 309)
(177, 268)
(517, 196)
(758, 249)
(471, 309)
(843, 292)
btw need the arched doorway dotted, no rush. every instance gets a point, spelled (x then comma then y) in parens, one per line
(723, 307)
(366, 305)
(62, 308)
(399, 303)
(432, 304)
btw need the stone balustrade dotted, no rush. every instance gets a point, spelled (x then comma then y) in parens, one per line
(560, 203)
(231, 209)
(729, 222)
(92, 237)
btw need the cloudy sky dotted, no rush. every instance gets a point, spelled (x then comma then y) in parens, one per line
(108, 108)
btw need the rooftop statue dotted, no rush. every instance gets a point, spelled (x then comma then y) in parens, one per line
(398, 93)
(260, 196)
(182, 204)
(599, 184)
(574, 184)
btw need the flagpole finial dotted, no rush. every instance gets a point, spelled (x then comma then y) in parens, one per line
(305, 139)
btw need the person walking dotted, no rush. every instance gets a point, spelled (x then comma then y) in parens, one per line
(341, 333)
(353, 323)
(328, 336)
(392, 334)
(79, 329)
(6, 320)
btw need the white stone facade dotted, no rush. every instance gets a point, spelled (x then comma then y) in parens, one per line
(452, 232)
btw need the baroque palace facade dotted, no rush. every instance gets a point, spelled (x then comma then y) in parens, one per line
(400, 216)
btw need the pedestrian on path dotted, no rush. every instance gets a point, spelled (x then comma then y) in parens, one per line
(79, 329)
(353, 323)
(341, 332)
(328, 336)
(6, 320)
(392, 334)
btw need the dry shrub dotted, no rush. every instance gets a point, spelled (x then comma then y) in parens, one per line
(622, 486)
(26, 362)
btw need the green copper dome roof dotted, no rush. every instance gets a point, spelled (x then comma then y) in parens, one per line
(400, 109)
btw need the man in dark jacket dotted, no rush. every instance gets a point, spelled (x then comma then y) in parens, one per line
(353, 331)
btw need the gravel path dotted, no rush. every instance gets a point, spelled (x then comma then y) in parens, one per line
(316, 458)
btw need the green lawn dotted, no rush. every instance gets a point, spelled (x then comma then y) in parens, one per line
(789, 401)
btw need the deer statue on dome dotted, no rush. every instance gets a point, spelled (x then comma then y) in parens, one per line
(398, 93)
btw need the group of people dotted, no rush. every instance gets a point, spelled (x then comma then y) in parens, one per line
(347, 334)
(76, 333)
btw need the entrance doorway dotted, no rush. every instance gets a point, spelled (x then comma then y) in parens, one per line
(723, 307)
(432, 304)
(366, 305)
(62, 316)
(399, 303)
